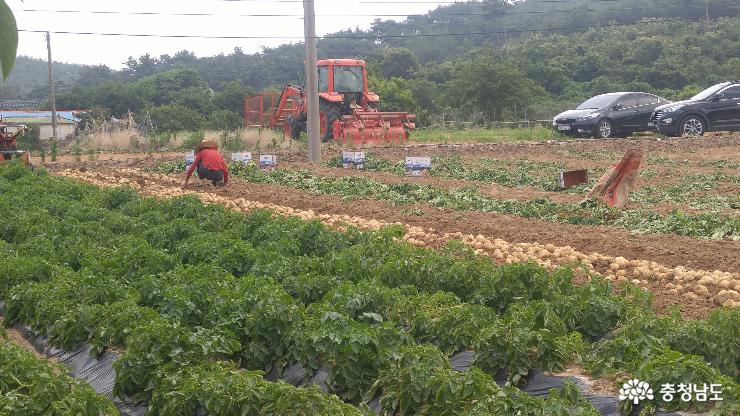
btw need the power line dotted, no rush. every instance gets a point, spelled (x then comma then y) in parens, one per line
(449, 2)
(402, 1)
(204, 14)
(113, 12)
(362, 1)
(361, 37)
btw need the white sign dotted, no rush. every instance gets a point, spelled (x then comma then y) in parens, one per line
(242, 157)
(268, 162)
(189, 159)
(418, 166)
(354, 160)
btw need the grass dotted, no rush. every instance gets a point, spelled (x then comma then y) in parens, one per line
(720, 164)
(244, 139)
(501, 135)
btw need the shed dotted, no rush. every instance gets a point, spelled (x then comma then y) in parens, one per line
(66, 122)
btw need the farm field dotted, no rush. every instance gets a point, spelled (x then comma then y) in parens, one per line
(392, 213)
(368, 311)
(658, 244)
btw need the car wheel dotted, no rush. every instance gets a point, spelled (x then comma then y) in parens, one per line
(692, 126)
(604, 129)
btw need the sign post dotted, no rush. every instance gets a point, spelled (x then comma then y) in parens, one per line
(418, 166)
(353, 160)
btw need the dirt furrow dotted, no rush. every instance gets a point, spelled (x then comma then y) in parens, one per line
(685, 279)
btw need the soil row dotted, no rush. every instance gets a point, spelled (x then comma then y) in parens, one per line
(698, 275)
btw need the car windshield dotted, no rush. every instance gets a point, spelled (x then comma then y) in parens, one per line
(709, 92)
(598, 102)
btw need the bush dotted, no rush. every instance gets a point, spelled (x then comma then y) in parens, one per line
(176, 117)
(225, 120)
(191, 140)
(231, 141)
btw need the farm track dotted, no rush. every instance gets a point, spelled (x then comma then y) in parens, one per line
(676, 269)
(17, 339)
(667, 163)
(488, 189)
(524, 193)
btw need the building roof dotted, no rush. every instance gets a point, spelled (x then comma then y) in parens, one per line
(22, 104)
(37, 120)
(17, 116)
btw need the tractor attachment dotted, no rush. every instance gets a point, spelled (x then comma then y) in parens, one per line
(616, 184)
(8, 155)
(374, 127)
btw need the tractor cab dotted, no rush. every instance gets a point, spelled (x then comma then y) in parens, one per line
(344, 81)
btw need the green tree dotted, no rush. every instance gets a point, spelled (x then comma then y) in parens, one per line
(231, 96)
(425, 93)
(195, 98)
(395, 62)
(225, 120)
(395, 94)
(119, 98)
(688, 92)
(77, 97)
(175, 117)
(167, 87)
(490, 85)
(95, 75)
(731, 69)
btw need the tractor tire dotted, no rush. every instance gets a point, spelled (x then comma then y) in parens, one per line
(296, 126)
(329, 114)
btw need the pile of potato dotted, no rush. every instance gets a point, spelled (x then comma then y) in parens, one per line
(720, 287)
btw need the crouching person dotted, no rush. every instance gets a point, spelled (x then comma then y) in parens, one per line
(209, 163)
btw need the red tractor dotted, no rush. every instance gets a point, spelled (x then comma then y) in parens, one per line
(348, 110)
(8, 145)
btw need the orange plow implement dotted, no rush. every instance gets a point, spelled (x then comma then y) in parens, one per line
(618, 181)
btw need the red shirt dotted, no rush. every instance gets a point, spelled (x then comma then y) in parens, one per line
(212, 160)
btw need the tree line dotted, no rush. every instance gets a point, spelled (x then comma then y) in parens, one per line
(493, 68)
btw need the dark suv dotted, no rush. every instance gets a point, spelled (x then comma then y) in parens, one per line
(715, 109)
(618, 114)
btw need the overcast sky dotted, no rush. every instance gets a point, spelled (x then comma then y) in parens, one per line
(113, 51)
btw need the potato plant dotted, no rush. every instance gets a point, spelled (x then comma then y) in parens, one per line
(189, 321)
(33, 386)
(588, 212)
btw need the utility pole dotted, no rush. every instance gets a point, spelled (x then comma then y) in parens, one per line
(52, 100)
(312, 83)
(707, 15)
